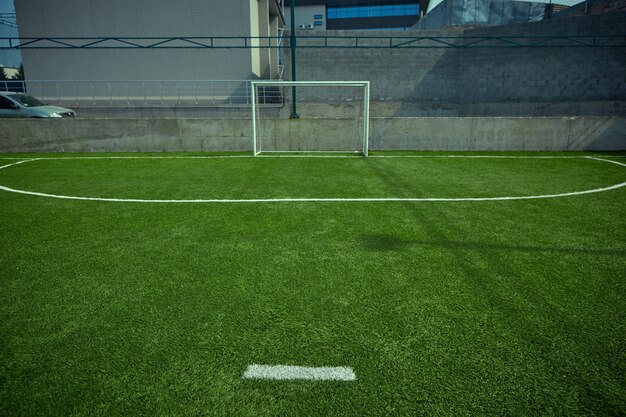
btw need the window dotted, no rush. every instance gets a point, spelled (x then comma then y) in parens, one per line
(5, 103)
(372, 11)
(28, 101)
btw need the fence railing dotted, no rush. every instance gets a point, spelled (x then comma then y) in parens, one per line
(16, 86)
(580, 75)
(136, 93)
(316, 41)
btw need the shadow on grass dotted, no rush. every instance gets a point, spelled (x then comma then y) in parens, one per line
(532, 318)
(388, 243)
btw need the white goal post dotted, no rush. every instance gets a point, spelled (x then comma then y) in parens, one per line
(310, 116)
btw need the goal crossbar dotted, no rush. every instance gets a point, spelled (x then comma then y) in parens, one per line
(313, 83)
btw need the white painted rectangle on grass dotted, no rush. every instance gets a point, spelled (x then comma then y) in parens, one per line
(288, 372)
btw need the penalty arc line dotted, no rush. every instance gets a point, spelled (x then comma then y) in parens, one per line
(606, 160)
(317, 200)
(307, 200)
(17, 163)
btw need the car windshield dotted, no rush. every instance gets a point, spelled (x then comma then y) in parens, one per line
(27, 101)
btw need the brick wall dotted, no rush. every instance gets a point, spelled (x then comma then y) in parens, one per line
(485, 81)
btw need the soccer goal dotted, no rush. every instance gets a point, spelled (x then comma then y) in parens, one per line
(310, 116)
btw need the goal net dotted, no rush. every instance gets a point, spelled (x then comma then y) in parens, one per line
(310, 116)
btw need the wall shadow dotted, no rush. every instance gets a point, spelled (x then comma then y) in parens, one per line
(388, 242)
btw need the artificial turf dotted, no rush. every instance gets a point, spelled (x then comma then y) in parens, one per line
(441, 308)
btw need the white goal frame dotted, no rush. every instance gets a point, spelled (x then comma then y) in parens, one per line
(270, 83)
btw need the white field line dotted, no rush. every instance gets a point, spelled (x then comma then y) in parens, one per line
(53, 158)
(17, 163)
(315, 200)
(288, 372)
(607, 160)
(308, 200)
(267, 156)
(484, 156)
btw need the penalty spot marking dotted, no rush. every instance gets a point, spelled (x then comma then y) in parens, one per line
(288, 372)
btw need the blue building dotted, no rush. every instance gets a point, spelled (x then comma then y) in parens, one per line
(355, 14)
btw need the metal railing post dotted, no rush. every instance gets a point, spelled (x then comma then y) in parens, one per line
(294, 113)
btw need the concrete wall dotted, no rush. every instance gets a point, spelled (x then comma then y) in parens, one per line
(548, 75)
(500, 133)
(543, 81)
(125, 135)
(422, 133)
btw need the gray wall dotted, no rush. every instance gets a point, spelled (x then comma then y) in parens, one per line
(420, 133)
(548, 75)
(144, 18)
(136, 18)
(484, 81)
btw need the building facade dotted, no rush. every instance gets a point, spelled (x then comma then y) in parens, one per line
(355, 14)
(447, 13)
(116, 34)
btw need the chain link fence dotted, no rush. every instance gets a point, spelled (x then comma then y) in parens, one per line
(475, 72)
(569, 67)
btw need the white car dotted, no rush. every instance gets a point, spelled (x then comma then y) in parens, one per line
(23, 105)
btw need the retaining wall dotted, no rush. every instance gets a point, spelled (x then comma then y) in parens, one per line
(419, 133)
(499, 81)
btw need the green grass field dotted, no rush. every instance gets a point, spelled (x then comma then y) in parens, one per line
(446, 307)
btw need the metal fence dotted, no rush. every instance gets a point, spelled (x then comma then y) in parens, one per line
(454, 72)
(137, 93)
